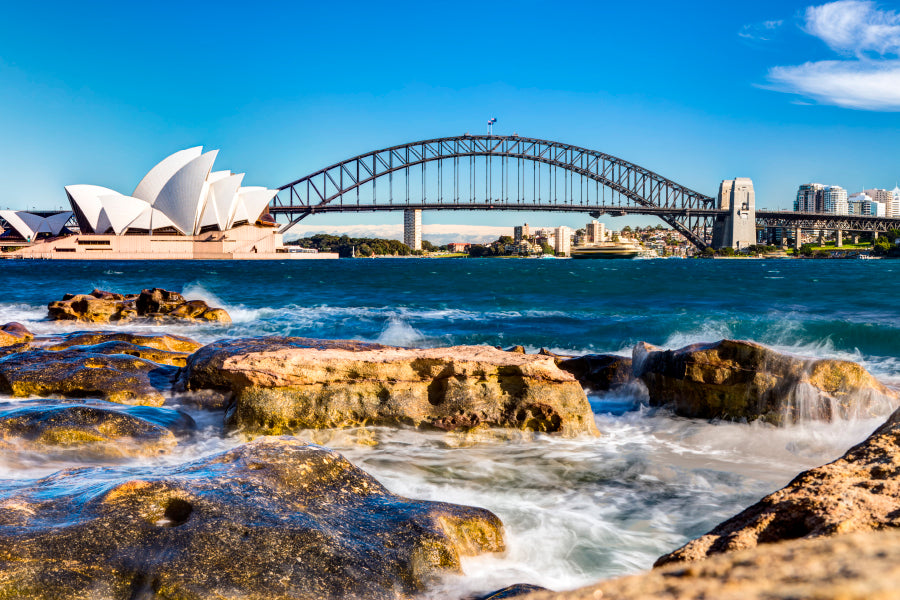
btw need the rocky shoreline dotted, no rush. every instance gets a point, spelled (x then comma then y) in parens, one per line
(278, 517)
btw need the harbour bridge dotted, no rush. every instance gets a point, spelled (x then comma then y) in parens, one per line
(510, 172)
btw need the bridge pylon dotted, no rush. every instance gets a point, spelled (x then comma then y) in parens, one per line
(736, 228)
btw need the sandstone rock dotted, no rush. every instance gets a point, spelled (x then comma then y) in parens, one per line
(14, 333)
(284, 384)
(101, 427)
(599, 372)
(513, 591)
(106, 307)
(276, 518)
(742, 380)
(75, 374)
(863, 566)
(161, 348)
(858, 492)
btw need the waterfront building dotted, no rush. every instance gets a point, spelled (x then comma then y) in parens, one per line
(594, 232)
(181, 195)
(181, 209)
(563, 244)
(810, 198)
(835, 200)
(884, 197)
(859, 204)
(521, 232)
(458, 247)
(412, 228)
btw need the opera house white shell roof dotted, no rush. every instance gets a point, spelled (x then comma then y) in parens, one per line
(29, 225)
(181, 193)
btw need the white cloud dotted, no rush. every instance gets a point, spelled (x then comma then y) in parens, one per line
(855, 26)
(867, 85)
(760, 31)
(868, 81)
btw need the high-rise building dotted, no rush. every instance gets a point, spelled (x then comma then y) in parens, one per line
(563, 240)
(594, 232)
(521, 232)
(894, 210)
(860, 204)
(835, 200)
(412, 228)
(882, 196)
(810, 198)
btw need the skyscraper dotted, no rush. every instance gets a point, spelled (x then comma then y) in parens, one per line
(810, 198)
(412, 228)
(835, 200)
(883, 196)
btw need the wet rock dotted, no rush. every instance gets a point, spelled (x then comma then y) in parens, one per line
(517, 349)
(279, 385)
(106, 307)
(858, 492)
(743, 380)
(13, 334)
(276, 518)
(599, 372)
(75, 374)
(101, 427)
(512, 591)
(162, 348)
(863, 566)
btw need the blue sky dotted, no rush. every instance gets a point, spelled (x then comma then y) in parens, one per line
(782, 92)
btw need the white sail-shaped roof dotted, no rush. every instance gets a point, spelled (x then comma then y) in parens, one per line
(180, 198)
(56, 223)
(151, 219)
(86, 200)
(181, 192)
(157, 178)
(28, 225)
(252, 201)
(119, 212)
(220, 201)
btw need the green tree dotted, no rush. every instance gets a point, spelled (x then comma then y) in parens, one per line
(547, 249)
(428, 246)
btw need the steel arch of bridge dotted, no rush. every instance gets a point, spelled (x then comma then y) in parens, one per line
(336, 188)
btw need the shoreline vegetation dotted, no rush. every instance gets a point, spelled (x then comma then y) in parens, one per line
(298, 520)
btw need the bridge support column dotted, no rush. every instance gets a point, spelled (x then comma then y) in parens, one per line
(821, 237)
(797, 233)
(874, 235)
(839, 238)
(412, 228)
(855, 238)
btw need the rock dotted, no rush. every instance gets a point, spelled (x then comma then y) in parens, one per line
(599, 372)
(101, 427)
(858, 492)
(743, 380)
(106, 307)
(864, 566)
(75, 374)
(162, 348)
(275, 518)
(280, 385)
(13, 334)
(513, 591)
(517, 349)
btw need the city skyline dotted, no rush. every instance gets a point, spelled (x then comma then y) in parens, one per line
(795, 93)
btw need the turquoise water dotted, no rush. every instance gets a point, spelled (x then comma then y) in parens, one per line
(574, 510)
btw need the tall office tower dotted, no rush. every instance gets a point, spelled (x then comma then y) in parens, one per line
(412, 228)
(810, 198)
(595, 232)
(883, 196)
(835, 200)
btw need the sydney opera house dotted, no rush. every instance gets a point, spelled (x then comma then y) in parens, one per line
(180, 209)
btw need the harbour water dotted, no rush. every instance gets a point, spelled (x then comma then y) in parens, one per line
(575, 510)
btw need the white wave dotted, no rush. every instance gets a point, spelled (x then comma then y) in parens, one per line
(397, 332)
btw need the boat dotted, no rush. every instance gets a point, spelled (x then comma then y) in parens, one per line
(607, 250)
